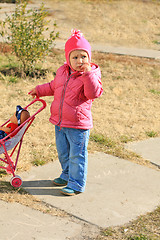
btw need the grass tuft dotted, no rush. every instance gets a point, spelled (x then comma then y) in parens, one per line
(154, 91)
(151, 134)
(101, 139)
(38, 162)
(140, 237)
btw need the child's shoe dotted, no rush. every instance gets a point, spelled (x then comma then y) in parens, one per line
(59, 182)
(68, 191)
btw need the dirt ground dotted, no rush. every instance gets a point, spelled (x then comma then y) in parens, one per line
(129, 107)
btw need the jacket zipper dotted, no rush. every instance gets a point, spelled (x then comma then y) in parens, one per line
(62, 100)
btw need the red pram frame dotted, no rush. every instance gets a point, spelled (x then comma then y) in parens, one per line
(14, 141)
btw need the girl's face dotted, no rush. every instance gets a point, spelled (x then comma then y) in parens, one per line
(77, 59)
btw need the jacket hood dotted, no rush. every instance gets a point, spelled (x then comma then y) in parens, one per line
(76, 42)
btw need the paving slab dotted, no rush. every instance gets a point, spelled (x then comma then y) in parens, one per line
(117, 190)
(23, 223)
(136, 52)
(149, 149)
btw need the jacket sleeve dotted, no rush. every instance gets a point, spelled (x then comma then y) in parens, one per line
(46, 89)
(92, 84)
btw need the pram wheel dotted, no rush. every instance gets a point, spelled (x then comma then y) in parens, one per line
(16, 181)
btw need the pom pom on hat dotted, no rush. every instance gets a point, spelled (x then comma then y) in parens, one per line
(77, 42)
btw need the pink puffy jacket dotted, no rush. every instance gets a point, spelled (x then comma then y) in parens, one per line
(73, 96)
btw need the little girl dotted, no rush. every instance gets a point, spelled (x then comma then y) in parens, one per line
(77, 83)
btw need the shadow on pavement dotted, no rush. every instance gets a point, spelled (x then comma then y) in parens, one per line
(42, 187)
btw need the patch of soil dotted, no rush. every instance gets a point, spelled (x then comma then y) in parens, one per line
(5, 48)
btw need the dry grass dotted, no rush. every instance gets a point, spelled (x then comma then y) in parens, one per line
(127, 110)
(130, 107)
(129, 23)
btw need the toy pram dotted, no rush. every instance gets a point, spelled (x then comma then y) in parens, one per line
(14, 141)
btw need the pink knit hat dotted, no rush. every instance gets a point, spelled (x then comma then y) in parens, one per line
(77, 42)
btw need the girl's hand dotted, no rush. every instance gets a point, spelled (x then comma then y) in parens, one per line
(86, 67)
(33, 93)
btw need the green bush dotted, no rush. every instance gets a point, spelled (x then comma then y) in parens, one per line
(24, 30)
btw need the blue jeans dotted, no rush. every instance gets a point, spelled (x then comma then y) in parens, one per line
(73, 156)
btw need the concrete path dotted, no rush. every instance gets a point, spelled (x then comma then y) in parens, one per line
(105, 48)
(149, 149)
(146, 53)
(18, 222)
(117, 190)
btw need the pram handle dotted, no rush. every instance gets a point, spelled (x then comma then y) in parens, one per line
(37, 99)
(34, 100)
